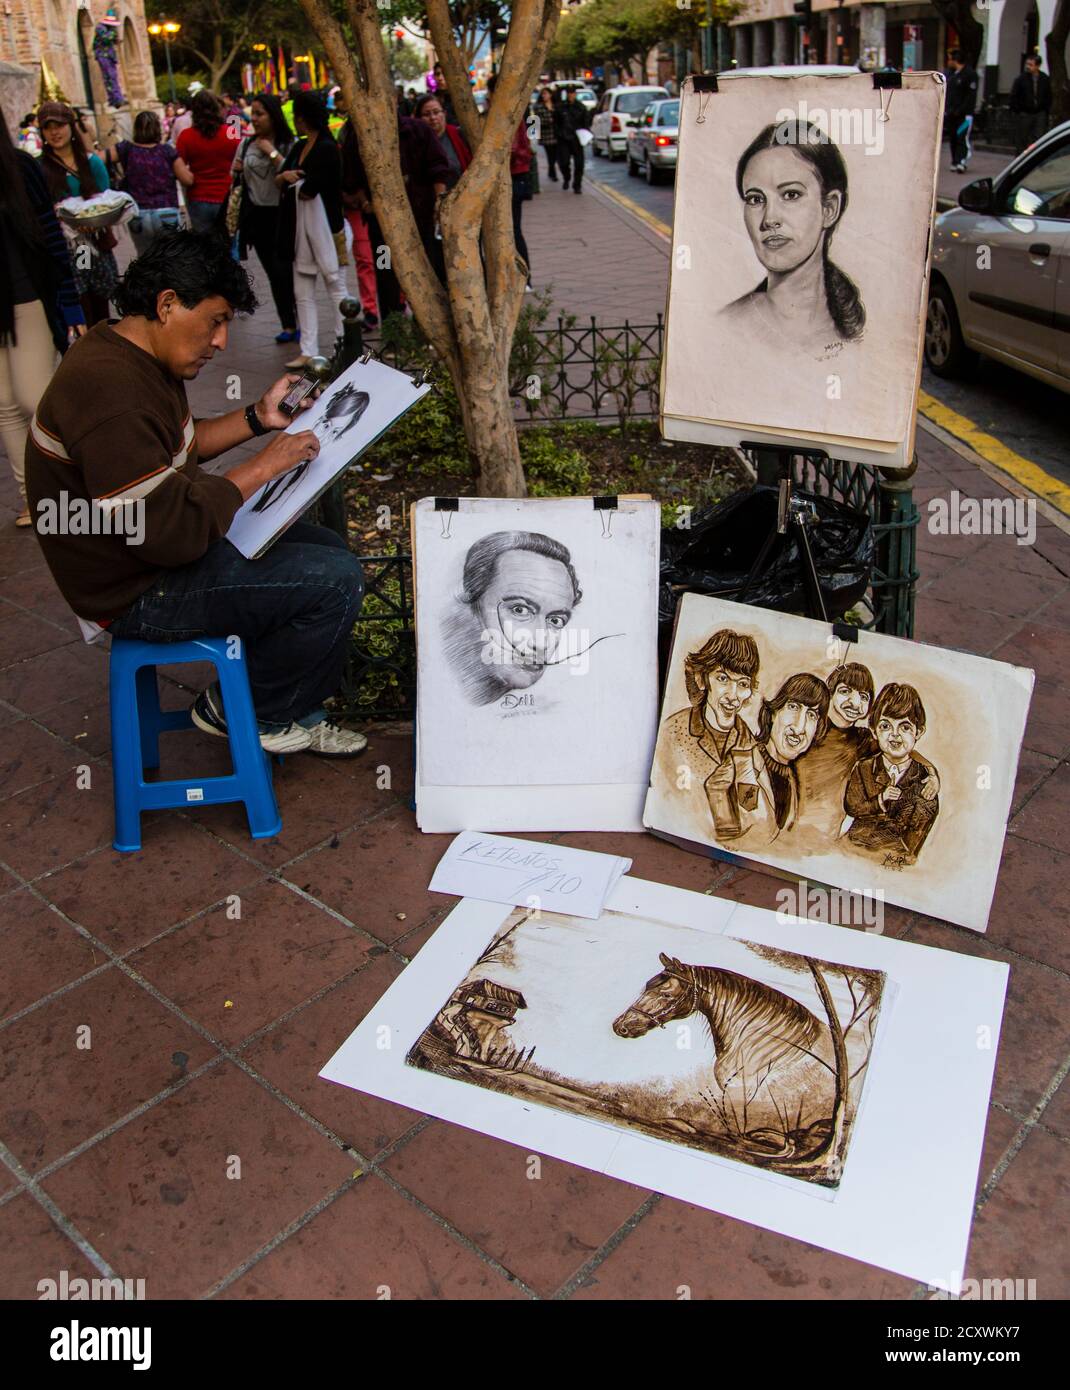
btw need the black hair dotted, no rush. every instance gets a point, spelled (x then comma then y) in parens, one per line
(196, 265)
(53, 168)
(804, 689)
(281, 133)
(423, 101)
(955, 55)
(313, 111)
(812, 144)
(207, 113)
(898, 702)
(147, 128)
(484, 555)
(853, 675)
(348, 401)
(17, 218)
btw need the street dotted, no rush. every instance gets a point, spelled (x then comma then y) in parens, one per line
(1026, 417)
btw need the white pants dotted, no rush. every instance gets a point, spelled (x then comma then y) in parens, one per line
(308, 313)
(25, 370)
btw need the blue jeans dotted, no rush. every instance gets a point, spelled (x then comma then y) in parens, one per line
(204, 217)
(294, 609)
(150, 223)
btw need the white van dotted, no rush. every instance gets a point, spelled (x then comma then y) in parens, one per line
(620, 108)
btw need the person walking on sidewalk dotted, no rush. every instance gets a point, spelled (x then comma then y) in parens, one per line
(114, 433)
(150, 172)
(363, 251)
(311, 225)
(960, 104)
(39, 306)
(572, 117)
(207, 148)
(546, 115)
(258, 159)
(1031, 103)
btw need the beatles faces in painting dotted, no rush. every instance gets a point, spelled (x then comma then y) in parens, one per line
(850, 695)
(886, 793)
(793, 185)
(519, 591)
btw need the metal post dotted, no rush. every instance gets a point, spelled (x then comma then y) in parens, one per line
(170, 72)
(896, 552)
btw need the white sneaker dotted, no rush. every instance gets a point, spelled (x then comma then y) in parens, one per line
(207, 715)
(329, 740)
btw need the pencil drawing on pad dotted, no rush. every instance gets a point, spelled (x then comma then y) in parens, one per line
(752, 1053)
(881, 766)
(533, 619)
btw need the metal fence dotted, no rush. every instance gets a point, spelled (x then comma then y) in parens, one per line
(601, 373)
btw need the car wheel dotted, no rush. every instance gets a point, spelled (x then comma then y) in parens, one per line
(946, 353)
(650, 172)
(633, 168)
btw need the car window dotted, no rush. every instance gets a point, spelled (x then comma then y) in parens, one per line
(631, 102)
(1045, 189)
(669, 113)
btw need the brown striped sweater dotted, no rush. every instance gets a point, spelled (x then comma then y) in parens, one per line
(114, 426)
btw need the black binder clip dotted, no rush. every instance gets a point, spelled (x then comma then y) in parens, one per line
(447, 506)
(605, 507)
(846, 632)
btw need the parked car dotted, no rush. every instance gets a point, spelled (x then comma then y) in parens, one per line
(653, 140)
(587, 97)
(1000, 282)
(620, 108)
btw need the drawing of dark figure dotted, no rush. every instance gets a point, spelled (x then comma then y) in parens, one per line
(754, 794)
(793, 183)
(471, 1027)
(721, 678)
(342, 411)
(519, 591)
(886, 792)
(280, 487)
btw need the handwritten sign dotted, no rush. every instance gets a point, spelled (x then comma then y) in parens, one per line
(526, 873)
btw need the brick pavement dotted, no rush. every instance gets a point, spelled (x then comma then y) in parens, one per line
(208, 1031)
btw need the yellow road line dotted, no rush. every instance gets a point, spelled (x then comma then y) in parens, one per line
(1030, 475)
(662, 228)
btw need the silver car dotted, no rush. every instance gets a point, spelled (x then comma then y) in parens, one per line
(1001, 269)
(653, 143)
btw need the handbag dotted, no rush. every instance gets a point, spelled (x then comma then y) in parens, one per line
(340, 246)
(237, 193)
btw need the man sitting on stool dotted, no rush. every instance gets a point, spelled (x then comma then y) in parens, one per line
(113, 433)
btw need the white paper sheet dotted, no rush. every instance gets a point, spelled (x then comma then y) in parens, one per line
(350, 415)
(554, 878)
(906, 1198)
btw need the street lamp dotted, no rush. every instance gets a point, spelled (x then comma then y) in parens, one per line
(167, 32)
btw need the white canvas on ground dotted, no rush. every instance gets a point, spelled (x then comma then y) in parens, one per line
(543, 1031)
(882, 766)
(556, 878)
(800, 262)
(350, 415)
(536, 656)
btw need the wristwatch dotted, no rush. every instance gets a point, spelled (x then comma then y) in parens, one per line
(274, 155)
(253, 421)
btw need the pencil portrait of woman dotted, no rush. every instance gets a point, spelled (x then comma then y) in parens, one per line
(792, 181)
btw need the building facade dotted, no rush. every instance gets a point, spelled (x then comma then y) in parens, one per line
(61, 32)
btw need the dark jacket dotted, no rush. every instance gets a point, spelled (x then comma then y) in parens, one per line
(50, 275)
(322, 169)
(903, 825)
(961, 95)
(423, 164)
(571, 116)
(1023, 99)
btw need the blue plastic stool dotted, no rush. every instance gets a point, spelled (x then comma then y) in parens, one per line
(137, 722)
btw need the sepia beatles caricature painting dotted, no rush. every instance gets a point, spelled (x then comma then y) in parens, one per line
(880, 766)
(799, 268)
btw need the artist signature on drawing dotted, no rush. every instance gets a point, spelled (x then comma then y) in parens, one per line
(517, 702)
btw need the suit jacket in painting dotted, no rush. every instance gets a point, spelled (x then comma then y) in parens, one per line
(904, 825)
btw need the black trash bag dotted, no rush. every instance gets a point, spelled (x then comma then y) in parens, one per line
(716, 555)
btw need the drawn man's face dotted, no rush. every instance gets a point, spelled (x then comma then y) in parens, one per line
(794, 727)
(784, 212)
(528, 604)
(726, 693)
(896, 738)
(848, 706)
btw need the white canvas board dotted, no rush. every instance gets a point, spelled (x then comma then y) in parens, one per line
(536, 647)
(353, 411)
(807, 790)
(800, 262)
(557, 878)
(904, 1198)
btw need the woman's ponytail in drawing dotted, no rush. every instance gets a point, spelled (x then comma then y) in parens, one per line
(812, 144)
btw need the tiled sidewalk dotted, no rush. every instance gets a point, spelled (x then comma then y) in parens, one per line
(216, 975)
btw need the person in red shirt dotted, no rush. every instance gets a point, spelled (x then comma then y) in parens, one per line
(208, 148)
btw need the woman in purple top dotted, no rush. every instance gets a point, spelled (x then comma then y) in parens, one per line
(151, 168)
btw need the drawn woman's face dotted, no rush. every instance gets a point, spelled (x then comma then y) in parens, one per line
(794, 727)
(848, 706)
(785, 214)
(529, 601)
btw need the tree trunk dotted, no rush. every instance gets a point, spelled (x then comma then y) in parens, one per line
(1056, 46)
(470, 327)
(971, 33)
(839, 1048)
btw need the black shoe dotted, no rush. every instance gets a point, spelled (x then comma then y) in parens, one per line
(577, 189)
(564, 185)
